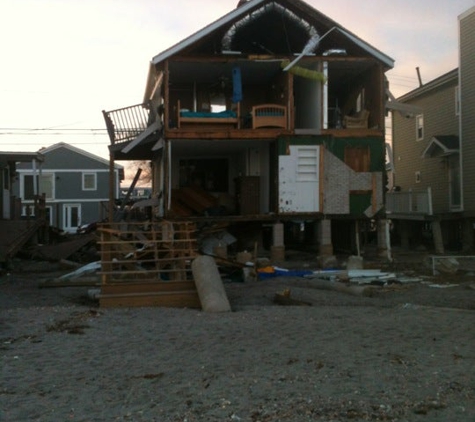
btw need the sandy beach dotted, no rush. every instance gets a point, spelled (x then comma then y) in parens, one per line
(404, 354)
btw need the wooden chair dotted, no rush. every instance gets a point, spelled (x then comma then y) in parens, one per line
(358, 121)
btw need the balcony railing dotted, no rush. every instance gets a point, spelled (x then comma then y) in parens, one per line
(409, 202)
(125, 124)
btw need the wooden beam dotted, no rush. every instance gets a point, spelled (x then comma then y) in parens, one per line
(183, 299)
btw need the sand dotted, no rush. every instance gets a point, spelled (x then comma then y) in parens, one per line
(406, 354)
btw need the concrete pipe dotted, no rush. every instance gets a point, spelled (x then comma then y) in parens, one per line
(209, 285)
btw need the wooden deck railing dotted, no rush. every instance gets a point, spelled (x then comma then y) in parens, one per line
(125, 124)
(409, 202)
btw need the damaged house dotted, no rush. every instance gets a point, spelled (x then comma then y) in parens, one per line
(271, 117)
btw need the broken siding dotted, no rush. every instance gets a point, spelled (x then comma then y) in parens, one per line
(467, 75)
(346, 191)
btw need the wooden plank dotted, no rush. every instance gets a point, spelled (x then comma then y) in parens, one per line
(124, 288)
(183, 299)
(80, 282)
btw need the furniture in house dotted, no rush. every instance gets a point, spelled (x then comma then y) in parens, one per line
(360, 120)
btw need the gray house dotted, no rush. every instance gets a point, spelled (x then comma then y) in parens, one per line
(434, 151)
(75, 183)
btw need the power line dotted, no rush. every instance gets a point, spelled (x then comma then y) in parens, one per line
(47, 129)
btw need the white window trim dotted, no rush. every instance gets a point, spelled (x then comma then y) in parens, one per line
(22, 184)
(67, 228)
(84, 181)
(418, 117)
(417, 176)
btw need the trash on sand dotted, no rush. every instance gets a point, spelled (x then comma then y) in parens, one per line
(357, 276)
(269, 272)
(86, 269)
(209, 243)
(283, 298)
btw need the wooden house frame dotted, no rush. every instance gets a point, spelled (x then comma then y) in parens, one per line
(283, 76)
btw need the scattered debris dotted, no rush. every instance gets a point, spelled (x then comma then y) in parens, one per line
(270, 271)
(338, 286)
(283, 298)
(90, 268)
(209, 243)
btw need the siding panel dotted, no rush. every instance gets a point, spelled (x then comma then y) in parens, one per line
(467, 78)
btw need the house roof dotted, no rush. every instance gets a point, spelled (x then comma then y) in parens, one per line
(441, 146)
(79, 151)
(468, 12)
(429, 86)
(252, 7)
(20, 156)
(259, 21)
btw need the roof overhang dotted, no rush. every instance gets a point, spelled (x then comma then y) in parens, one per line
(442, 146)
(20, 157)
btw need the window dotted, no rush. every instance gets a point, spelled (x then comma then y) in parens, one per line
(457, 100)
(358, 158)
(418, 176)
(28, 211)
(71, 217)
(419, 127)
(89, 181)
(45, 186)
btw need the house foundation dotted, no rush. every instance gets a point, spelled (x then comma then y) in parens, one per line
(278, 246)
(384, 241)
(324, 236)
(467, 235)
(437, 236)
(404, 234)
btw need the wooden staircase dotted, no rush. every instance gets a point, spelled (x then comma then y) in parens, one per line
(15, 234)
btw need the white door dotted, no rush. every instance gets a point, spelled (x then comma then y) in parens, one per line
(299, 179)
(71, 217)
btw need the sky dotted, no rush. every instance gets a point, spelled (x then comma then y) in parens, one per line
(64, 61)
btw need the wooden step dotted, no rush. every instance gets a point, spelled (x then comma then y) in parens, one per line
(150, 287)
(174, 299)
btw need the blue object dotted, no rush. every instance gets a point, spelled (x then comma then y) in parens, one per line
(237, 85)
(226, 113)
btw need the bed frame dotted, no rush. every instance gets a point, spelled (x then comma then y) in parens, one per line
(269, 115)
(205, 121)
(263, 115)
